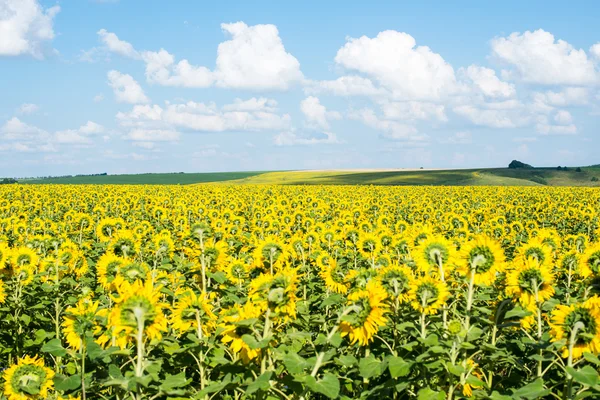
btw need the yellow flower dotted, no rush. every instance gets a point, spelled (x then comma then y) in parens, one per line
(276, 293)
(587, 338)
(435, 252)
(427, 294)
(193, 312)
(485, 256)
(124, 244)
(137, 305)
(364, 314)
(270, 252)
(107, 228)
(234, 328)
(2, 292)
(334, 275)
(27, 380)
(525, 278)
(535, 249)
(590, 262)
(107, 269)
(80, 320)
(396, 281)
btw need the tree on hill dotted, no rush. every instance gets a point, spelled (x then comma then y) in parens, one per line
(514, 164)
(7, 181)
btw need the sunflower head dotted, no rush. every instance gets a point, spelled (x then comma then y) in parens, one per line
(485, 257)
(433, 253)
(28, 379)
(427, 295)
(364, 314)
(581, 320)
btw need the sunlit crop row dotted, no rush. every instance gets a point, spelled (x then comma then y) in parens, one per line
(289, 292)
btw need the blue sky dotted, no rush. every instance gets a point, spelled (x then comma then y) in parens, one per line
(124, 86)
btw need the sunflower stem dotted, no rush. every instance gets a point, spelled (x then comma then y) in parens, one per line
(572, 340)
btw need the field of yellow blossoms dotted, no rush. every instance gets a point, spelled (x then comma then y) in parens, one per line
(295, 292)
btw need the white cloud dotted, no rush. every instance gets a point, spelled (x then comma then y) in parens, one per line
(15, 129)
(162, 69)
(252, 104)
(595, 51)
(290, 138)
(98, 98)
(349, 85)
(255, 58)
(486, 81)
(28, 108)
(413, 110)
(80, 136)
(563, 117)
(153, 135)
(394, 61)
(115, 45)
(567, 97)
(151, 123)
(494, 117)
(316, 114)
(391, 129)
(209, 150)
(24, 27)
(538, 58)
(126, 89)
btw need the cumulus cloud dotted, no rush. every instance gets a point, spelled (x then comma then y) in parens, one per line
(536, 57)
(396, 63)
(115, 45)
(316, 114)
(126, 89)
(349, 85)
(390, 129)
(486, 81)
(25, 137)
(28, 108)
(25, 27)
(413, 110)
(153, 123)
(162, 70)
(254, 58)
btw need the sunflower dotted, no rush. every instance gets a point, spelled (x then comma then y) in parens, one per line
(270, 253)
(396, 281)
(107, 269)
(525, 278)
(235, 325)
(193, 311)
(4, 257)
(24, 257)
(163, 245)
(364, 314)
(369, 245)
(427, 295)
(2, 292)
(276, 293)
(28, 379)
(124, 244)
(137, 304)
(435, 254)
(485, 256)
(80, 320)
(131, 271)
(333, 274)
(587, 338)
(590, 262)
(106, 229)
(237, 271)
(535, 249)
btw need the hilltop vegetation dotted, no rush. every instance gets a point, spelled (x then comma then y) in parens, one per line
(517, 176)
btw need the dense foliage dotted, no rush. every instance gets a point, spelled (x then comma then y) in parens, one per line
(156, 292)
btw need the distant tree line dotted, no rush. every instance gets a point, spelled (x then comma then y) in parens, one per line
(7, 181)
(64, 176)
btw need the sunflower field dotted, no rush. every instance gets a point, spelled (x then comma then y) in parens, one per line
(295, 292)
